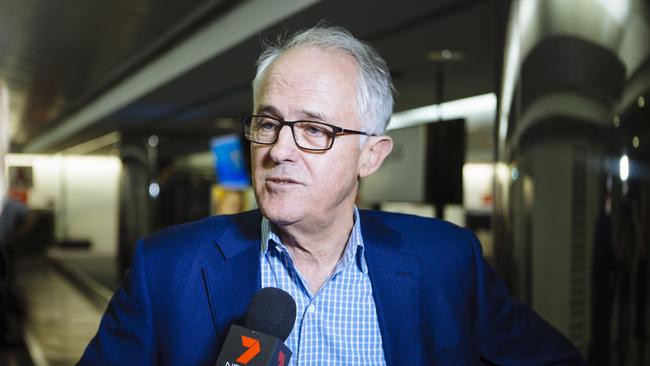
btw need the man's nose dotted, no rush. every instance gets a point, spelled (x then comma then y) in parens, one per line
(284, 147)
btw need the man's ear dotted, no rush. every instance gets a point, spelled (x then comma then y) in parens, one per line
(373, 153)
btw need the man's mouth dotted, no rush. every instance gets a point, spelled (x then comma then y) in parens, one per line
(281, 180)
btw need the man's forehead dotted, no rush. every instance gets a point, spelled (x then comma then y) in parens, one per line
(314, 62)
(310, 83)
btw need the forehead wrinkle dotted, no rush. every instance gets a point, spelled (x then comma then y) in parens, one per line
(313, 105)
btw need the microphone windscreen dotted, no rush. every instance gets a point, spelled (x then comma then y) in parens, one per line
(272, 312)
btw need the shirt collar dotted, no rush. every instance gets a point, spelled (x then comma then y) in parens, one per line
(354, 249)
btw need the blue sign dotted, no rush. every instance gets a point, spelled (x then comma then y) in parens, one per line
(229, 162)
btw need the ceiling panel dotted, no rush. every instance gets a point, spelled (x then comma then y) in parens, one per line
(60, 56)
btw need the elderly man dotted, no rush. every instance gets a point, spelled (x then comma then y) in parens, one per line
(371, 288)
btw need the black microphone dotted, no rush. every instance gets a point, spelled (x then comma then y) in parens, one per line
(269, 321)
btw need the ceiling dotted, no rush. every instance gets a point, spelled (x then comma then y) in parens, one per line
(61, 59)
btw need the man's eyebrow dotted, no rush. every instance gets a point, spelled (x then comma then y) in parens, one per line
(268, 109)
(271, 110)
(314, 115)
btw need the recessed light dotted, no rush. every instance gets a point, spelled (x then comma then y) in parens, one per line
(153, 141)
(445, 55)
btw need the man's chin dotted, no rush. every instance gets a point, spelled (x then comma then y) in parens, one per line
(281, 216)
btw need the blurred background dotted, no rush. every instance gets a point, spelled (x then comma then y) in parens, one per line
(526, 121)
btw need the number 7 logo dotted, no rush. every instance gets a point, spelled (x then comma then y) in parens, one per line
(253, 346)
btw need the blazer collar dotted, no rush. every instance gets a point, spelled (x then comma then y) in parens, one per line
(241, 233)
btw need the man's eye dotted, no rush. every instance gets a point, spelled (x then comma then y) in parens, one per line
(315, 130)
(268, 124)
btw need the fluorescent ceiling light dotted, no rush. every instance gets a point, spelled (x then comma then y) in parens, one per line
(480, 108)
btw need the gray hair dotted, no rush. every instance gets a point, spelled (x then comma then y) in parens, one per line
(374, 95)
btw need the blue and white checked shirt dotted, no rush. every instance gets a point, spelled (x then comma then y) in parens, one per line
(338, 324)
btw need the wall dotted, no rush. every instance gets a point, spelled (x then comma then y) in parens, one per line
(82, 191)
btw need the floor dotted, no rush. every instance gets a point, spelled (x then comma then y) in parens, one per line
(59, 318)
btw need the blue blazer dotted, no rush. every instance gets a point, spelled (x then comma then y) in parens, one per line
(438, 302)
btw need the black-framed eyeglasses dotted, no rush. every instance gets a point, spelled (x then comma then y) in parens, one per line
(308, 135)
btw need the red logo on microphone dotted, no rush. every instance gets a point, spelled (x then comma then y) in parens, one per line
(253, 346)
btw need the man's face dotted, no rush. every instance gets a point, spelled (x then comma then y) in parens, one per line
(296, 186)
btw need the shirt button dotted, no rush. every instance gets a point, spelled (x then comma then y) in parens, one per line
(311, 309)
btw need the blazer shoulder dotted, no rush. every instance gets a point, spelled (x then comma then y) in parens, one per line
(413, 224)
(425, 237)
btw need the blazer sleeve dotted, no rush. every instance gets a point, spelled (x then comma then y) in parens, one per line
(126, 333)
(509, 332)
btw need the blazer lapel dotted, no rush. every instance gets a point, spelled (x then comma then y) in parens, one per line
(395, 278)
(232, 277)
